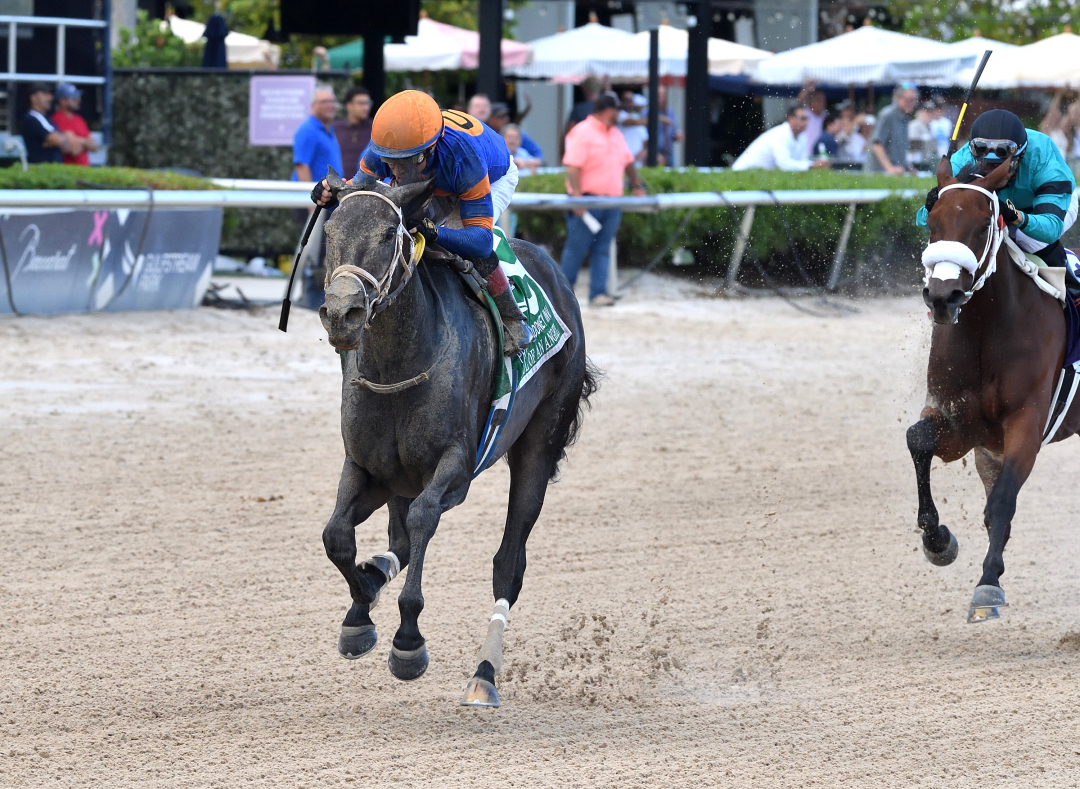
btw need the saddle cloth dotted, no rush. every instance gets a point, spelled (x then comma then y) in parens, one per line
(516, 371)
(1051, 280)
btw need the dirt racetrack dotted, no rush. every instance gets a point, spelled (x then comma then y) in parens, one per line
(726, 588)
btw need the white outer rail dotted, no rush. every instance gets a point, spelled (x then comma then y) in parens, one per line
(249, 193)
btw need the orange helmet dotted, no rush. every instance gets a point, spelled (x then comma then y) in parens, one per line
(408, 123)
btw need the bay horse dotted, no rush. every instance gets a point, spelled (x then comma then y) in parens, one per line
(992, 371)
(418, 377)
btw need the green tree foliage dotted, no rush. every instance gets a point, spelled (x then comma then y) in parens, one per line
(1015, 21)
(152, 44)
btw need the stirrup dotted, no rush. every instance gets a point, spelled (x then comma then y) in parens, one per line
(517, 335)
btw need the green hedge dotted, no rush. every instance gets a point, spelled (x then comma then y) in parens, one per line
(198, 120)
(883, 230)
(69, 176)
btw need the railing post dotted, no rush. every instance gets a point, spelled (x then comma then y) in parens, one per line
(61, 50)
(841, 248)
(740, 247)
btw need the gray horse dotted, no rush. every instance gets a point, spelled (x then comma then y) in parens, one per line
(417, 386)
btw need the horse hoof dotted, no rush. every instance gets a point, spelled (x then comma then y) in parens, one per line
(986, 603)
(946, 557)
(408, 665)
(355, 642)
(480, 693)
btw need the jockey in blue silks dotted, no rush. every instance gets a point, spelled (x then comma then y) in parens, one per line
(413, 140)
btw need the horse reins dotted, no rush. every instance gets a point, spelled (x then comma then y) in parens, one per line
(995, 234)
(383, 297)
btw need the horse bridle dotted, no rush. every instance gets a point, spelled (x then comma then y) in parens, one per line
(381, 297)
(944, 251)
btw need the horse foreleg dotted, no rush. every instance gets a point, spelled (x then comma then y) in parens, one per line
(989, 467)
(408, 656)
(530, 470)
(1022, 440)
(939, 544)
(358, 635)
(358, 496)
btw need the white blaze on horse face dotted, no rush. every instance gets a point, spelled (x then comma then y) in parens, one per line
(946, 271)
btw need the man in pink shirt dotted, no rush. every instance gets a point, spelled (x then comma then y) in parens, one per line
(596, 160)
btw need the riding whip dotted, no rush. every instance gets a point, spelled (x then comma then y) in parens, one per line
(967, 98)
(283, 323)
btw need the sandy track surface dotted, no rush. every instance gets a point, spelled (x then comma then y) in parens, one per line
(726, 589)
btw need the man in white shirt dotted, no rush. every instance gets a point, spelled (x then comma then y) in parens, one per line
(781, 147)
(816, 109)
(633, 122)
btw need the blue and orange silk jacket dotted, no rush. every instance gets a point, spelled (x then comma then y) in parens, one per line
(469, 157)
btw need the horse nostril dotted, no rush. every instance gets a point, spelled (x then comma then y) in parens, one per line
(955, 298)
(355, 314)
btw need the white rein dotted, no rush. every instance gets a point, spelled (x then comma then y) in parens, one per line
(944, 259)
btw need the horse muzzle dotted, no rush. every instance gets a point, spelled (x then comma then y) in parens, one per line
(945, 300)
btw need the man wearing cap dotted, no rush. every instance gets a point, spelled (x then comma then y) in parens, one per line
(413, 140)
(67, 119)
(44, 142)
(500, 116)
(596, 160)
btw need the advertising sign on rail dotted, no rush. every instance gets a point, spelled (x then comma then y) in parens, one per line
(88, 261)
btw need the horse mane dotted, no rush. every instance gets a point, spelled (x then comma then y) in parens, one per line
(967, 173)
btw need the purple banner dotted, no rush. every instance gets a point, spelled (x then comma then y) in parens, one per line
(277, 106)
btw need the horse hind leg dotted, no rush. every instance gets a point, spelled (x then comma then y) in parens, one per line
(358, 636)
(533, 460)
(939, 544)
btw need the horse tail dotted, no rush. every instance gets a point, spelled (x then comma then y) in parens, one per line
(589, 385)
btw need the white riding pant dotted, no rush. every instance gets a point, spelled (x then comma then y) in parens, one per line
(1029, 244)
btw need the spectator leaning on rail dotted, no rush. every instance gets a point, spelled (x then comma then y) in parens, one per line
(67, 119)
(889, 144)
(816, 109)
(596, 159)
(43, 141)
(353, 132)
(413, 140)
(781, 147)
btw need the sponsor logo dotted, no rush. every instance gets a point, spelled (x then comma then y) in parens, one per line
(30, 260)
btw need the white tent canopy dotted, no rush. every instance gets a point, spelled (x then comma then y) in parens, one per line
(429, 50)
(569, 54)
(1052, 62)
(865, 55)
(596, 49)
(241, 50)
(976, 45)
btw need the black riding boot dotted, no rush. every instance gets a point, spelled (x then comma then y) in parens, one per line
(517, 334)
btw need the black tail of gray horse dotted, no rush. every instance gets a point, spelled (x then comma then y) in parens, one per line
(589, 385)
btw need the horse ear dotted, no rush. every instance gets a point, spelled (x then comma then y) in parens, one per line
(944, 172)
(413, 198)
(333, 180)
(999, 176)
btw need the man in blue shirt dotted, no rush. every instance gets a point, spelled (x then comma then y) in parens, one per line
(1038, 203)
(315, 145)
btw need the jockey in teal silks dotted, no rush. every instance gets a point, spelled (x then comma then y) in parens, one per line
(1039, 202)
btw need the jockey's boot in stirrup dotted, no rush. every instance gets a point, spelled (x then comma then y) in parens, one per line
(516, 331)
